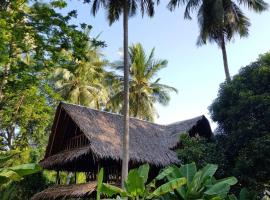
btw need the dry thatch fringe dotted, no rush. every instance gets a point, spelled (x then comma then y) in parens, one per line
(64, 157)
(64, 192)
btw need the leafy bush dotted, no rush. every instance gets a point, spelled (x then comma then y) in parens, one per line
(15, 173)
(186, 183)
(201, 184)
(242, 111)
(202, 151)
(25, 188)
(136, 186)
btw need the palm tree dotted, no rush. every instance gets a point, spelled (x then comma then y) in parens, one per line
(83, 81)
(220, 20)
(114, 10)
(145, 90)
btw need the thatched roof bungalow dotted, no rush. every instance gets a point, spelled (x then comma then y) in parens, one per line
(84, 140)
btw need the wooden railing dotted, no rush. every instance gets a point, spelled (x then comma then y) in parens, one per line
(77, 142)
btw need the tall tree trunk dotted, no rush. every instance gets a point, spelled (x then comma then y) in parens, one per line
(225, 59)
(125, 150)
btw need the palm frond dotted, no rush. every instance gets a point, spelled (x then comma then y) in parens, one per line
(96, 5)
(191, 5)
(114, 10)
(175, 3)
(143, 92)
(156, 67)
(255, 5)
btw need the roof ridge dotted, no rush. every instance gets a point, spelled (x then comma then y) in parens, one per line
(178, 122)
(112, 113)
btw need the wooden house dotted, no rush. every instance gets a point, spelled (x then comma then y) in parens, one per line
(84, 140)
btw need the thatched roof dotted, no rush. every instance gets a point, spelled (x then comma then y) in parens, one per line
(149, 142)
(66, 191)
(64, 157)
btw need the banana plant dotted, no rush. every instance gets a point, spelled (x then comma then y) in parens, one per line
(201, 184)
(15, 173)
(136, 186)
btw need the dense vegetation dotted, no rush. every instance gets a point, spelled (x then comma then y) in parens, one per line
(242, 111)
(44, 59)
(185, 183)
(241, 146)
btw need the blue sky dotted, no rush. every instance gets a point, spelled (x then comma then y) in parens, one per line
(195, 71)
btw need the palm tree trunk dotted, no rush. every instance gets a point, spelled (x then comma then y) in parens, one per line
(125, 150)
(225, 59)
(137, 106)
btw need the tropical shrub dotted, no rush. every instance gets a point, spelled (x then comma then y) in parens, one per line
(200, 184)
(202, 151)
(15, 173)
(136, 186)
(242, 111)
(26, 188)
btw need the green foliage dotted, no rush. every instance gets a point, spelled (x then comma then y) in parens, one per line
(99, 182)
(25, 188)
(34, 39)
(30, 184)
(202, 151)
(15, 173)
(242, 111)
(82, 81)
(201, 184)
(136, 187)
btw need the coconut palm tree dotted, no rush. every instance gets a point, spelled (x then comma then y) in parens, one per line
(144, 88)
(114, 10)
(83, 82)
(220, 20)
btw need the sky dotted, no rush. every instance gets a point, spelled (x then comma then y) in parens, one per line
(195, 71)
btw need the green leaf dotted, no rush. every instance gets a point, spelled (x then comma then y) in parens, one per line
(218, 189)
(170, 173)
(134, 184)
(99, 182)
(26, 169)
(143, 172)
(111, 190)
(188, 171)
(229, 180)
(7, 174)
(196, 184)
(168, 187)
(4, 158)
(208, 172)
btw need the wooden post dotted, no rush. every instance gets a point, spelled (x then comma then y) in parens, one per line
(54, 131)
(57, 178)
